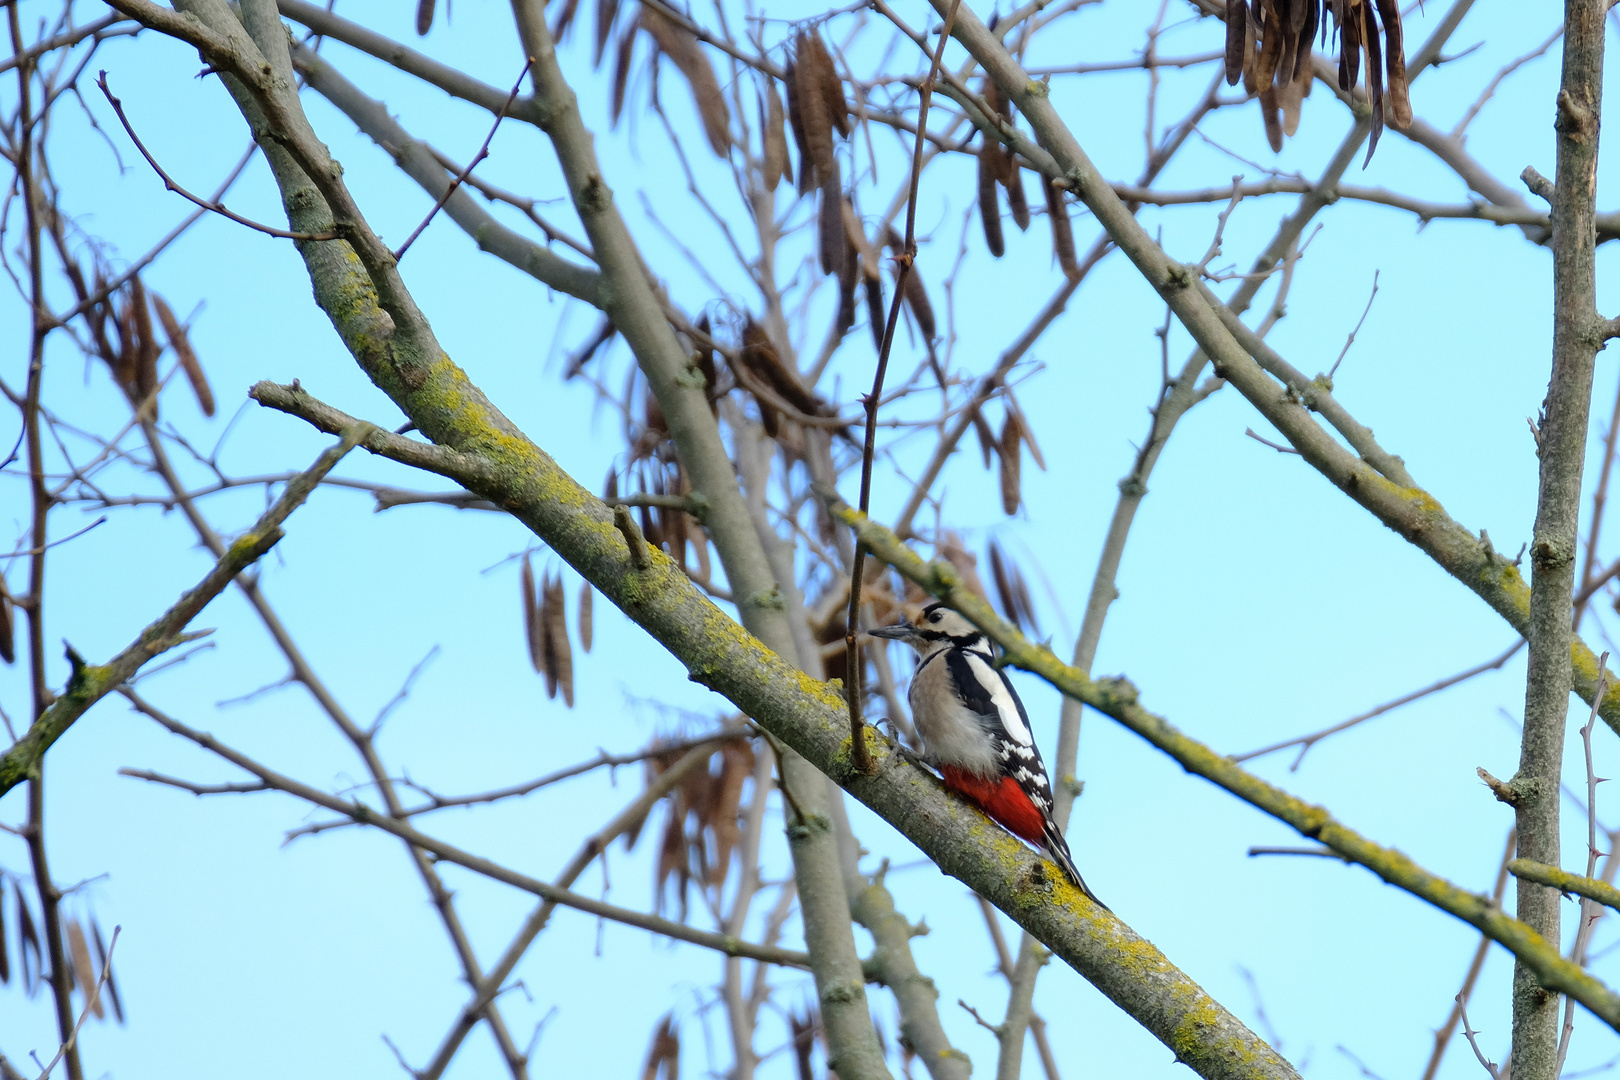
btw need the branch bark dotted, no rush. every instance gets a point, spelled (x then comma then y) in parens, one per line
(1577, 336)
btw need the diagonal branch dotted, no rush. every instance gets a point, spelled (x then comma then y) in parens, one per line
(90, 683)
(1118, 698)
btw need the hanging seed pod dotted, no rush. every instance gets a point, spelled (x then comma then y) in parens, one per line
(1271, 47)
(180, 341)
(547, 658)
(8, 634)
(848, 277)
(1025, 433)
(1016, 202)
(989, 204)
(564, 20)
(664, 1056)
(681, 46)
(876, 313)
(1290, 98)
(951, 550)
(1269, 116)
(758, 354)
(987, 438)
(1010, 449)
(1057, 215)
(28, 945)
(736, 766)
(562, 654)
(1375, 75)
(622, 58)
(585, 595)
(5, 955)
(84, 971)
(424, 17)
(812, 69)
(531, 622)
(147, 349)
(1400, 104)
(103, 960)
(774, 138)
(922, 311)
(802, 1033)
(790, 79)
(1004, 590)
(1237, 37)
(830, 85)
(606, 12)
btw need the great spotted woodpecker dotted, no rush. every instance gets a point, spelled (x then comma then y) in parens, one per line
(976, 733)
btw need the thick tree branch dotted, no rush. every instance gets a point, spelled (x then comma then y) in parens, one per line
(1118, 698)
(811, 717)
(1561, 447)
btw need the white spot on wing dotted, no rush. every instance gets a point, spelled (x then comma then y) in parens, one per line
(990, 679)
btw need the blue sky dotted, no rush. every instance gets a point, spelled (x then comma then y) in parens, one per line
(1256, 601)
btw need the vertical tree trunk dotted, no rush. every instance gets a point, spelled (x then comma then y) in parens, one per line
(1577, 335)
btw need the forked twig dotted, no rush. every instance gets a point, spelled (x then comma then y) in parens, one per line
(483, 152)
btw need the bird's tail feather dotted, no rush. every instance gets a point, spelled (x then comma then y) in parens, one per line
(1058, 848)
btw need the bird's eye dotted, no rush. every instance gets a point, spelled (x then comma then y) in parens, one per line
(934, 616)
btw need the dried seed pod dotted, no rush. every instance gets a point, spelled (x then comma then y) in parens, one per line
(604, 333)
(876, 313)
(1057, 215)
(1400, 104)
(1268, 115)
(1010, 448)
(562, 654)
(681, 46)
(814, 128)
(146, 354)
(1237, 35)
(5, 956)
(28, 945)
(664, 1056)
(180, 341)
(1290, 98)
(1375, 75)
(622, 58)
(773, 136)
(989, 204)
(103, 960)
(1004, 590)
(828, 82)
(565, 19)
(8, 630)
(531, 623)
(607, 11)
(802, 1032)
(1271, 46)
(758, 354)
(1348, 19)
(848, 277)
(585, 596)
(951, 550)
(916, 293)
(544, 624)
(1025, 433)
(736, 766)
(424, 17)
(1016, 201)
(987, 438)
(84, 971)
(790, 79)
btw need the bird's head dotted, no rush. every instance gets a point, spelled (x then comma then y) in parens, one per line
(935, 627)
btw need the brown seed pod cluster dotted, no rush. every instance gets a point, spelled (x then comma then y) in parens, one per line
(998, 170)
(817, 110)
(84, 970)
(775, 387)
(123, 335)
(8, 639)
(545, 630)
(1268, 47)
(681, 46)
(702, 827)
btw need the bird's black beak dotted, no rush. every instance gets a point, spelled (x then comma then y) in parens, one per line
(897, 632)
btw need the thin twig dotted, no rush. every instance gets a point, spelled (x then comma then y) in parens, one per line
(483, 152)
(207, 204)
(1351, 340)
